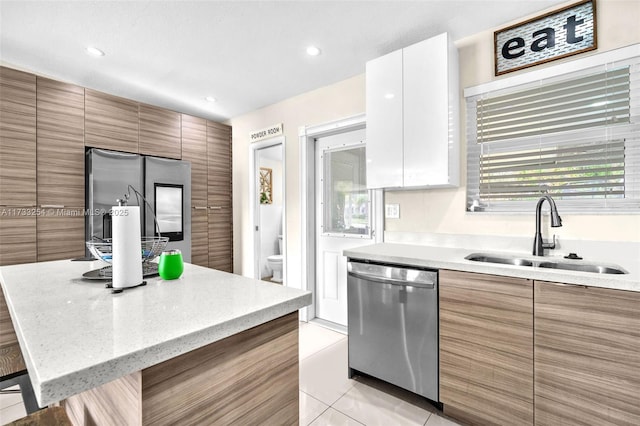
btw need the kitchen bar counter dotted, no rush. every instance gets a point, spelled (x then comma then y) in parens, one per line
(454, 259)
(76, 335)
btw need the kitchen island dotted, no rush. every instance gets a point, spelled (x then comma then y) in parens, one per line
(209, 347)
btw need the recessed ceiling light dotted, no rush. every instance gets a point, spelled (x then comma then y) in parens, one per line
(313, 51)
(94, 51)
(210, 99)
(389, 96)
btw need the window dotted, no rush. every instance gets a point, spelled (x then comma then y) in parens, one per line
(575, 137)
(346, 198)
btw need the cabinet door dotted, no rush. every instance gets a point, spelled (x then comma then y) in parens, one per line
(194, 150)
(221, 238)
(587, 355)
(17, 235)
(384, 121)
(60, 150)
(110, 122)
(429, 110)
(486, 348)
(220, 197)
(159, 132)
(17, 138)
(60, 234)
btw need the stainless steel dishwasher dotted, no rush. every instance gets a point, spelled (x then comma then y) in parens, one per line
(393, 324)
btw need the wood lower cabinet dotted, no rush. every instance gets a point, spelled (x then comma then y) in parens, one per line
(17, 235)
(221, 238)
(110, 122)
(486, 348)
(159, 132)
(587, 355)
(60, 234)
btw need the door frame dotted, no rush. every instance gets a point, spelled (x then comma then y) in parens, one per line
(307, 136)
(254, 210)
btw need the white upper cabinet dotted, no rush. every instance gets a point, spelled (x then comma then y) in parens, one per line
(412, 116)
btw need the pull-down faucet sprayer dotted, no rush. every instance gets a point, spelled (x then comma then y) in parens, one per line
(556, 221)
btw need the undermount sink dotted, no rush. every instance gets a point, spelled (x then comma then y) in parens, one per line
(598, 269)
(569, 265)
(480, 257)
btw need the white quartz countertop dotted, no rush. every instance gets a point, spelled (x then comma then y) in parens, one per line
(454, 259)
(76, 335)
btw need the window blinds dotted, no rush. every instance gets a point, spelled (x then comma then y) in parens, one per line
(575, 137)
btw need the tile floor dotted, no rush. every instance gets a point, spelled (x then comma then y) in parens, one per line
(327, 395)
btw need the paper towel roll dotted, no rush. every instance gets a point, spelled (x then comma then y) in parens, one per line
(127, 249)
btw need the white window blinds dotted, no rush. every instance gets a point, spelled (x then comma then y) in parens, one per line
(575, 137)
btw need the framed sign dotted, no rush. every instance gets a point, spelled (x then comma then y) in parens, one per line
(558, 34)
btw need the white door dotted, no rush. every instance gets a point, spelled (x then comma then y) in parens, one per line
(343, 217)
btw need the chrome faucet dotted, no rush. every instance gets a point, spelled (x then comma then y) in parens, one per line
(556, 221)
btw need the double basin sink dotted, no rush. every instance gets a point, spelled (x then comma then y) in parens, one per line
(575, 265)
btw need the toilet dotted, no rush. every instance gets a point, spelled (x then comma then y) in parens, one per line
(275, 262)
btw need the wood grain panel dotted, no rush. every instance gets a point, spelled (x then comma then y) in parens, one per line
(110, 122)
(199, 237)
(11, 361)
(221, 239)
(486, 348)
(219, 164)
(17, 235)
(248, 378)
(17, 138)
(194, 150)
(115, 403)
(587, 355)
(159, 132)
(60, 126)
(60, 234)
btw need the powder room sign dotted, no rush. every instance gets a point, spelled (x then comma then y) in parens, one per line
(269, 132)
(558, 34)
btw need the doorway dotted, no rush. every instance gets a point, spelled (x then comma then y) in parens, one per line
(338, 213)
(267, 210)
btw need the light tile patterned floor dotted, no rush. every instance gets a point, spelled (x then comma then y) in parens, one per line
(327, 395)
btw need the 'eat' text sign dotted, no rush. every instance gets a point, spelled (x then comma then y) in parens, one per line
(558, 34)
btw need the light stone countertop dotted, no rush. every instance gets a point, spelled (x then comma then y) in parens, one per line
(76, 335)
(454, 259)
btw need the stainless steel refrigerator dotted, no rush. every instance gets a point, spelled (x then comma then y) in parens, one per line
(164, 183)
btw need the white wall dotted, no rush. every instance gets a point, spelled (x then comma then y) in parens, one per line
(339, 100)
(441, 210)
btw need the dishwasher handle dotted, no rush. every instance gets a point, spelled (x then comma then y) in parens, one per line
(393, 275)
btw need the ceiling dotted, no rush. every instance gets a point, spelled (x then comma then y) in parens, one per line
(246, 54)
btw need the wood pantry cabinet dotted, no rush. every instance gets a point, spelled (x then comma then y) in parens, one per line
(486, 348)
(587, 355)
(219, 196)
(17, 167)
(412, 116)
(60, 170)
(194, 150)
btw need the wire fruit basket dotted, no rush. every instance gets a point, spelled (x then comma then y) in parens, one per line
(151, 248)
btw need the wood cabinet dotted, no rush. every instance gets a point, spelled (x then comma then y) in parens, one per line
(60, 170)
(587, 355)
(219, 195)
(486, 348)
(412, 116)
(159, 132)
(194, 150)
(110, 122)
(17, 138)
(17, 167)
